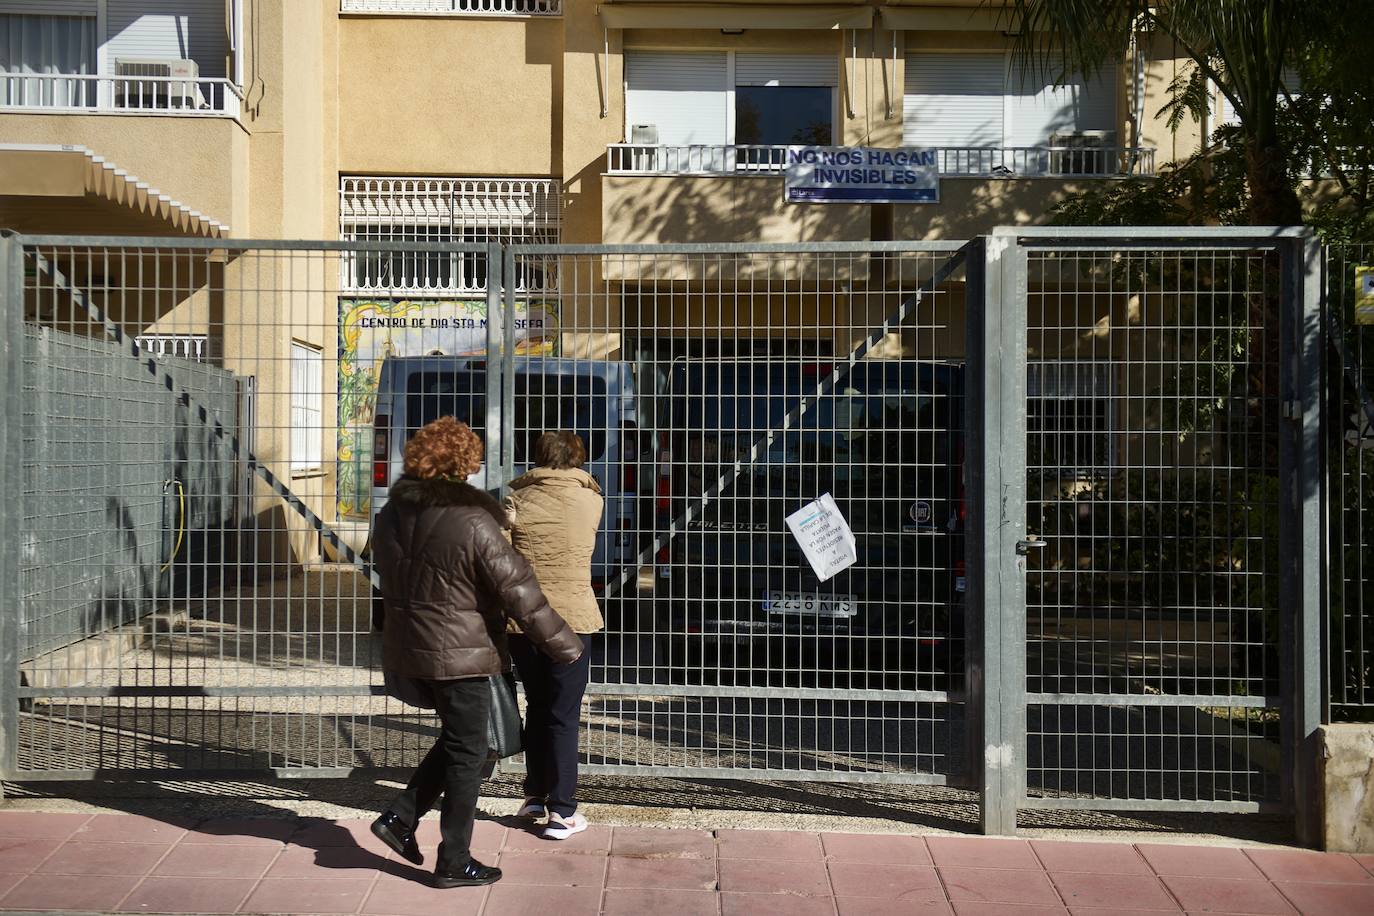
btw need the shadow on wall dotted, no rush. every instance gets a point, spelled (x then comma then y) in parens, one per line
(677, 209)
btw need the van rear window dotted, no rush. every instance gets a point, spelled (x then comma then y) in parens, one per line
(542, 403)
(461, 395)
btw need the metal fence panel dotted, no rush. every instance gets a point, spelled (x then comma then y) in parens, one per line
(1349, 441)
(193, 596)
(242, 640)
(129, 472)
(720, 389)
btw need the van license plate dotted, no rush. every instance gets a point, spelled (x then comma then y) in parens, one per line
(810, 603)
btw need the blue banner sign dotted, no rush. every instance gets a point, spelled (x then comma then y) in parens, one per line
(861, 175)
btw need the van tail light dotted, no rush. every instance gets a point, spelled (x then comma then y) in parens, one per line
(381, 440)
(664, 489)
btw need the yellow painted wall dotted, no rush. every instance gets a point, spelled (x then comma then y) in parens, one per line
(717, 209)
(593, 108)
(447, 96)
(1165, 63)
(970, 206)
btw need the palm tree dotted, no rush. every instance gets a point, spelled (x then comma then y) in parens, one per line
(1240, 46)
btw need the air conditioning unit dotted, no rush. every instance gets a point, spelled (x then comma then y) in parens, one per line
(1082, 152)
(644, 160)
(158, 82)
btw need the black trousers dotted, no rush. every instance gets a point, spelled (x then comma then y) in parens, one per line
(553, 693)
(452, 768)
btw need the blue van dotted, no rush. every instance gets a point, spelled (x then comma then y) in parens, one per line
(887, 444)
(594, 398)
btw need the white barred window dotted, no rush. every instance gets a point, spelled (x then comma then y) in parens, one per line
(455, 7)
(1070, 417)
(443, 210)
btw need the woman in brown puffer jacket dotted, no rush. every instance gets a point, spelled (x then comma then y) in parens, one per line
(450, 581)
(554, 512)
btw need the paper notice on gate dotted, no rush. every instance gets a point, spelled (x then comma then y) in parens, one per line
(824, 536)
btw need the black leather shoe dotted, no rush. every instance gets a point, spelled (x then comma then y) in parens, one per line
(472, 874)
(392, 831)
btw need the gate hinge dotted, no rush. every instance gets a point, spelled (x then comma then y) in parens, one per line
(1292, 410)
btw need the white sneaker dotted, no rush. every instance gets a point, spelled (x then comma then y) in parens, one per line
(560, 827)
(532, 809)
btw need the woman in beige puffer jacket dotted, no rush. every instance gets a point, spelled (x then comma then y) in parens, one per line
(554, 512)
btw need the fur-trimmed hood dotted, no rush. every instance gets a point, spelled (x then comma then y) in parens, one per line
(438, 491)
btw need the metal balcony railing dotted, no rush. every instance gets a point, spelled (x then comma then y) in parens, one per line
(455, 7)
(142, 94)
(953, 161)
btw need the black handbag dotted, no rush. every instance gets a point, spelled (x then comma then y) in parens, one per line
(503, 725)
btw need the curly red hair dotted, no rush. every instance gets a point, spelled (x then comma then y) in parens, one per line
(444, 448)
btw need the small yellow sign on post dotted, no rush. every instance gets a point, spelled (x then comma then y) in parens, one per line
(1364, 295)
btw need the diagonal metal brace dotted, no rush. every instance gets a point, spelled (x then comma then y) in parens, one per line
(206, 416)
(843, 367)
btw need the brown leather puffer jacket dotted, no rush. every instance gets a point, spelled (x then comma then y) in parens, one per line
(449, 582)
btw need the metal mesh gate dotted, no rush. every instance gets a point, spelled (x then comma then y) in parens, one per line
(1156, 484)
(724, 388)
(1078, 471)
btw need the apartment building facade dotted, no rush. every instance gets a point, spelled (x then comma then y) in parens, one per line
(619, 121)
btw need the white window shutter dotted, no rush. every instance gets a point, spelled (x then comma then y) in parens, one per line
(786, 69)
(1039, 109)
(953, 99)
(682, 94)
(189, 29)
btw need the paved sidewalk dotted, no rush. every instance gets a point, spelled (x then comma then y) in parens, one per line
(131, 863)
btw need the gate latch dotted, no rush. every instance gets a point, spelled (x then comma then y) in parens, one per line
(1292, 410)
(1023, 548)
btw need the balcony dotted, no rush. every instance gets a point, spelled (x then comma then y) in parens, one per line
(453, 7)
(180, 96)
(954, 162)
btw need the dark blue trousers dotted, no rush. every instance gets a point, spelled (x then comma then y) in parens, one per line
(553, 716)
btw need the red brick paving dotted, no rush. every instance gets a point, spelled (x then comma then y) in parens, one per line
(116, 863)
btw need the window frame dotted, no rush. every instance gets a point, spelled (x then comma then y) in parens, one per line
(306, 401)
(731, 96)
(1102, 416)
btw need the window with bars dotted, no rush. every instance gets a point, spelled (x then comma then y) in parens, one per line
(472, 211)
(307, 396)
(1069, 418)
